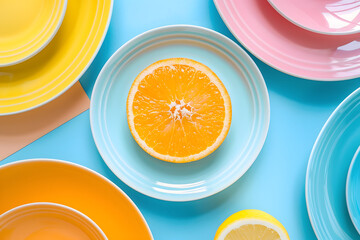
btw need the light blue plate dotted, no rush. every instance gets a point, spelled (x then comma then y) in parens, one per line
(327, 171)
(171, 181)
(353, 190)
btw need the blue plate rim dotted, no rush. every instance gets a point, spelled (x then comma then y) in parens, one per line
(226, 42)
(328, 122)
(348, 183)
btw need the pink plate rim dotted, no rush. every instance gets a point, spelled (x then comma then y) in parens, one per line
(243, 33)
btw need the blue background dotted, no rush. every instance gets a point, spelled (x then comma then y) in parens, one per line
(276, 181)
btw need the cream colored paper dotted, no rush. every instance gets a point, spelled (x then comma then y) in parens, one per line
(19, 130)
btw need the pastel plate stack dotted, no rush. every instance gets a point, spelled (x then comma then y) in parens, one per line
(62, 200)
(45, 47)
(317, 40)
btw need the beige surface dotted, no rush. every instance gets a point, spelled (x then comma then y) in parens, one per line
(19, 130)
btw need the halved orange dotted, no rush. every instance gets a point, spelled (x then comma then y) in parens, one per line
(178, 110)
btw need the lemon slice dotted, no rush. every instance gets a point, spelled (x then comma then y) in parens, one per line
(251, 225)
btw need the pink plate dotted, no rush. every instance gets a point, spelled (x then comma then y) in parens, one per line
(287, 47)
(334, 17)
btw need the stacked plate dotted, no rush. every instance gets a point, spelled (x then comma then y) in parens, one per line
(317, 40)
(333, 174)
(45, 47)
(293, 49)
(47, 220)
(52, 199)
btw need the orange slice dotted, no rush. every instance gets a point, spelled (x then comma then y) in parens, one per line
(178, 110)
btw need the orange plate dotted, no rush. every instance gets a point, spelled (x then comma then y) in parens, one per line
(74, 186)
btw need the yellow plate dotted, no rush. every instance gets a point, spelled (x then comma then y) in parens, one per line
(26, 27)
(74, 186)
(59, 65)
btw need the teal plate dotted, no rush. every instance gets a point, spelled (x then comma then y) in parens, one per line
(187, 181)
(327, 172)
(353, 190)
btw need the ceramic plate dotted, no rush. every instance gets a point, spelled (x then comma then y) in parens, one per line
(60, 64)
(171, 181)
(353, 190)
(287, 47)
(74, 186)
(26, 27)
(337, 17)
(43, 220)
(327, 170)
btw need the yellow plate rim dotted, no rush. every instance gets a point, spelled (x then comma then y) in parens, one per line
(11, 112)
(50, 37)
